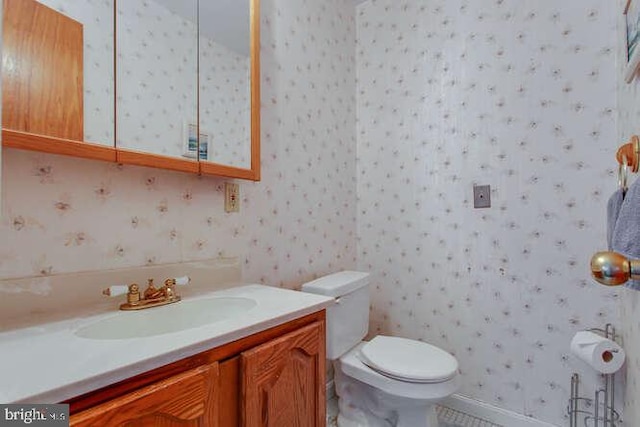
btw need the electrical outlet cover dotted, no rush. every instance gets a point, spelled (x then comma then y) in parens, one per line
(481, 196)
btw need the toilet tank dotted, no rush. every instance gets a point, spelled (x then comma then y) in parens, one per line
(348, 319)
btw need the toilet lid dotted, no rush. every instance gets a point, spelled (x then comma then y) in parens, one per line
(409, 360)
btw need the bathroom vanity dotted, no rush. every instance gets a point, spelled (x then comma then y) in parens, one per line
(263, 379)
(260, 367)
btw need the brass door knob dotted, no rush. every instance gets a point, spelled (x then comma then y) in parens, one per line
(614, 269)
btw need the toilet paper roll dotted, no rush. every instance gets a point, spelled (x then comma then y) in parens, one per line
(602, 354)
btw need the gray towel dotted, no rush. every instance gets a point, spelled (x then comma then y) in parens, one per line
(613, 210)
(626, 233)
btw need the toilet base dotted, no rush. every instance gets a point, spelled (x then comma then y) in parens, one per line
(418, 416)
(361, 405)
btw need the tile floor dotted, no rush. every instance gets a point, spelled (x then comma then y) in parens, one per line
(451, 418)
(446, 416)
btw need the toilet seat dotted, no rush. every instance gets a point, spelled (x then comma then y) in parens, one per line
(408, 360)
(352, 365)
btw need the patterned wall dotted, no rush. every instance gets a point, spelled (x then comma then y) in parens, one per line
(63, 214)
(628, 120)
(516, 94)
(301, 219)
(519, 95)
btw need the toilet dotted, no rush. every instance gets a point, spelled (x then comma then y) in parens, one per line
(387, 381)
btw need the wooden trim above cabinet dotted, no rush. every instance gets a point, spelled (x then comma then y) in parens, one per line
(49, 144)
(88, 150)
(208, 168)
(138, 158)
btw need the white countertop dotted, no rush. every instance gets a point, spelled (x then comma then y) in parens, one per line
(49, 363)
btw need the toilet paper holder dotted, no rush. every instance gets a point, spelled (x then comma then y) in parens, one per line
(604, 398)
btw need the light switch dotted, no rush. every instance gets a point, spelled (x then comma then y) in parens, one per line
(231, 197)
(481, 196)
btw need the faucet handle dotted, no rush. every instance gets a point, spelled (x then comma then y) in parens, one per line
(180, 281)
(132, 291)
(113, 291)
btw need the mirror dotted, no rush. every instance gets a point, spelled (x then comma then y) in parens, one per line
(182, 92)
(80, 73)
(184, 85)
(157, 79)
(225, 81)
(229, 102)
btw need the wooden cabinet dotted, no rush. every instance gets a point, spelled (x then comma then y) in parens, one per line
(273, 378)
(281, 380)
(186, 399)
(42, 93)
(60, 78)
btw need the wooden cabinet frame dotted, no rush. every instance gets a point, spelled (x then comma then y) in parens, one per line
(282, 380)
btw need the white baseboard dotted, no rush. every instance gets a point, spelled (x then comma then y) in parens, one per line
(491, 413)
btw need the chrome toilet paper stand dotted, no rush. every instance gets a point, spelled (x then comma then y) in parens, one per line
(604, 398)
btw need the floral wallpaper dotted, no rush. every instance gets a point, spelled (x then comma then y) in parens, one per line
(64, 214)
(301, 218)
(628, 120)
(519, 95)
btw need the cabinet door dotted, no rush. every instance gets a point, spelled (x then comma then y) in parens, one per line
(157, 83)
(42, 92)
(228, 77)
(186, 399)
(283, 380)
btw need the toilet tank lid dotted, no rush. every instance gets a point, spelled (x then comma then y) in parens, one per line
(337, 284)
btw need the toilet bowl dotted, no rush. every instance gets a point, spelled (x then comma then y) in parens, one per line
(387, 381)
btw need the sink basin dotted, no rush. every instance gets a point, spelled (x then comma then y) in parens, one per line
(175, 317)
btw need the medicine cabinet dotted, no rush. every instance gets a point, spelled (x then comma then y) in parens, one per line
(171, 84)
